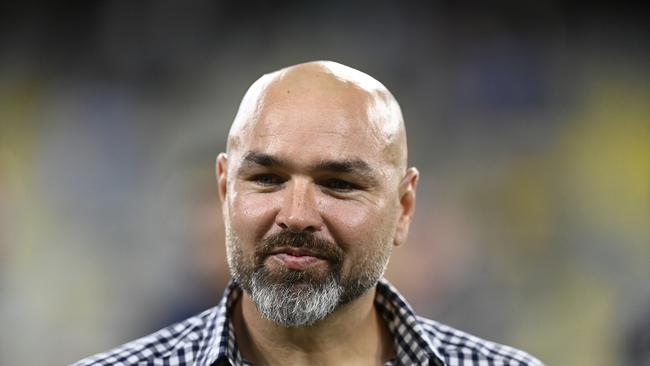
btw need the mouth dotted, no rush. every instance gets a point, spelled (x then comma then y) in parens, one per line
(296, 258)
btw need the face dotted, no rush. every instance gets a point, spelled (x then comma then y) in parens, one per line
(313, 203)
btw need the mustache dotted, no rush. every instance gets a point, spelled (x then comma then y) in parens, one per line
(305, 240)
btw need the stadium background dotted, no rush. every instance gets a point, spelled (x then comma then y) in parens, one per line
(528, 120)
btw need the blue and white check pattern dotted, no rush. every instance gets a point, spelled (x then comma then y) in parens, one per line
(208, 339)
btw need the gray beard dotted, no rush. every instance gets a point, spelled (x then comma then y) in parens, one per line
(297, 299)
(295, 305)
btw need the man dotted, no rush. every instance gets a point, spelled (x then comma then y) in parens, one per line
(315, 192)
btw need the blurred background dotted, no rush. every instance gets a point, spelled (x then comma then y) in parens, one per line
(529, 122)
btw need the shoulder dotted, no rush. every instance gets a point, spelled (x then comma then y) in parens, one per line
(458, 347)
(177, 344)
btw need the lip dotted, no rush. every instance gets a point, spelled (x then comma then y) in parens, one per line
(297, 252)
(296, 258)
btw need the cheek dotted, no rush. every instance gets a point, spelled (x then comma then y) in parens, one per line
(364, 231)
(252, 215)
(359, 226)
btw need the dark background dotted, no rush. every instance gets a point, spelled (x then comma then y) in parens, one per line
(528, 120)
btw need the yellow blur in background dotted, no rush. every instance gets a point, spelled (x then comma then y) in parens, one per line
(530, 124)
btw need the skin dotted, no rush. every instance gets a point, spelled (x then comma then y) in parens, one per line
(301, 117)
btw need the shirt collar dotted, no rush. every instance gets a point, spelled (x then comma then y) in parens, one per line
(412, 344)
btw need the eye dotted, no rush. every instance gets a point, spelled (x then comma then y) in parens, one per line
(339, 185)
(267, 179)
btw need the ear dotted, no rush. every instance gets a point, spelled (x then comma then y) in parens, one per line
(406, 205)
(222, 175)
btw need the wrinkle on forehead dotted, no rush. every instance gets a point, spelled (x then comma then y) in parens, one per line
(347, 89)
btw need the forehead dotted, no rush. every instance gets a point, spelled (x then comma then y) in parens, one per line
(312, 125)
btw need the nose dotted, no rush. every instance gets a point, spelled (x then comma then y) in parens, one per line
(299, 211)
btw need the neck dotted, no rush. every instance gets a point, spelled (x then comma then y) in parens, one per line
(354, 334)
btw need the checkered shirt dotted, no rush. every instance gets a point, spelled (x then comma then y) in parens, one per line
(208, 339)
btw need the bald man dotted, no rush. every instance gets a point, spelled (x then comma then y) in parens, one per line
(315, 193)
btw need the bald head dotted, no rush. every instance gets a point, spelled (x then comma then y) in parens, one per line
(346, 100)
(316, 150)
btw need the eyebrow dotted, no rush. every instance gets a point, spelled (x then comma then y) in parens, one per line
(344, 166)
(256, 158)
(350, 166)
